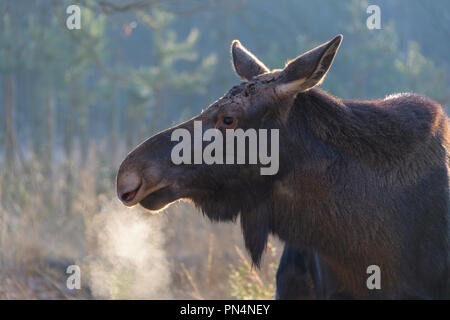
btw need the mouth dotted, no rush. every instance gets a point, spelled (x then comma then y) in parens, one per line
(159, 198)
(138, 195)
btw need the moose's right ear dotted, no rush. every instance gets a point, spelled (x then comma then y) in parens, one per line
(245, 63)
(309, 69)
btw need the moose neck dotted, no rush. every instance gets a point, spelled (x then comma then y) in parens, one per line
(294, 212)
(308, 201)
(306, 192)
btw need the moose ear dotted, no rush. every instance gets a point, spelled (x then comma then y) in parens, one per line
(309, 69)
(245, 63)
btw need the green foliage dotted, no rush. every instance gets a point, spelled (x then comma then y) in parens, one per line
(155, 85)
(244, 286)
(420, 74)
(248, 283)
(167, 53)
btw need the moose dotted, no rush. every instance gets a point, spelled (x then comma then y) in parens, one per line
(360, 183)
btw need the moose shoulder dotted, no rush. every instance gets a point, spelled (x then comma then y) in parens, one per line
(360, 183)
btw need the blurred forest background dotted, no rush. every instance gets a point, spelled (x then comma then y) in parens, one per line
(74, 102)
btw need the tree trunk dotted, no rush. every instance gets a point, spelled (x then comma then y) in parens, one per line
(68, 147)
(48, 151)
(10, 143)
(112, 136)
(83, 132)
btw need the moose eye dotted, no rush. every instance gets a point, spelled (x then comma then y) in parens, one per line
(228, 120)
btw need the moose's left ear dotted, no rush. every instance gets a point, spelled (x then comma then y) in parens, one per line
(309, 69)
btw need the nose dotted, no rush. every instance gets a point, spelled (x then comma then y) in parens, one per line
(128, 185)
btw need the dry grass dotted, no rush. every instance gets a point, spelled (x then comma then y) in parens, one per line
(44, 227)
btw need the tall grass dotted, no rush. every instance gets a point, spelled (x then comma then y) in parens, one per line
(49, 220)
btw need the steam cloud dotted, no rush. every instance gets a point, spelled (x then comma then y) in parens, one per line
(127, 258)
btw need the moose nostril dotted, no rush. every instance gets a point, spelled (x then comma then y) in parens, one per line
(128, 185)
(128, 196)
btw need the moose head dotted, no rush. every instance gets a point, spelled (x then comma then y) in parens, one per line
(265, 100)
